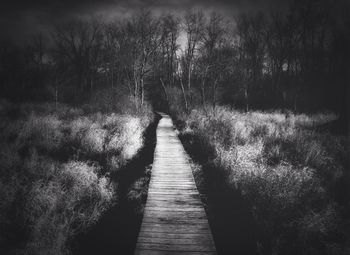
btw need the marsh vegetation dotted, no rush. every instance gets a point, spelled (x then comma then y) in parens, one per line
(59, 171)
(260, 102)
(289, 171)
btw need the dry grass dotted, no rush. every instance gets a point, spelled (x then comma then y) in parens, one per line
(287, 171)
(54, 171)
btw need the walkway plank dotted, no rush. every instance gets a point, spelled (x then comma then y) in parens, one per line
(174, 220)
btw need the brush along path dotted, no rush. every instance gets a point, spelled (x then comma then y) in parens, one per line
(174, 220)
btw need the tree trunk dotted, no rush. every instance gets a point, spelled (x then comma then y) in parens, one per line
(203, 86)
(142, 91)
(189, 79)
(166, 94)
(164, 89)
(184, 94)
(295, 101)
(214, 93)
(91, 85)
(284, 97)
(246, 96)
(112, 81)
(136, 92)
(203, 95)
(56, 97)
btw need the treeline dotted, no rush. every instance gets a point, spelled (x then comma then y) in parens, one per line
(293, 59)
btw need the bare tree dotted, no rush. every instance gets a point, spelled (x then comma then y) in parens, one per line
(170, 32)
(142, 35)
(38, 48)
(112, 51)
(213, 40)
(194, 24)
(251, 50)
(164, 63)
(179, 73)
(77, 48)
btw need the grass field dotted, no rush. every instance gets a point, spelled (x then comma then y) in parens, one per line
(55, 171)
(290, 170)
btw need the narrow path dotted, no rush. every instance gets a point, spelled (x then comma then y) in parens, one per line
(174, 220)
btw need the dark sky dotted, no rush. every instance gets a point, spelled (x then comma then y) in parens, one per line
(19, 19)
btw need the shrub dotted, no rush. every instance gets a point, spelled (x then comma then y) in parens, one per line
(78, 126)
(43, 132)
(93, 140)
(55, 164)
(127, 139)
(286, 172)
(73, 199)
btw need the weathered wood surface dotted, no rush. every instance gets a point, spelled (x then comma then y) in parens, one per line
(174, 220)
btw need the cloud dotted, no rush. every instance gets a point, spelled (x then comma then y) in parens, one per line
(21, 18)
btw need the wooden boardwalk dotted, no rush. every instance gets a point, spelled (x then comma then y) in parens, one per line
(174, 220)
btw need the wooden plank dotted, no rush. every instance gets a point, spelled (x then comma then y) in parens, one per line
(174, 220)
(175, 235)
(171, 192)
(161, 181)
(179, 209)
(180, 192)
(185, 217)
(176, 241)
(175, 181)
(176, 228)
(171, 196)
(176, 247)
(179, 200)
(172, 176)
(171, 172)
(175, 200)
(162, 252)
(175, 190)
(175, 186)
(179, 214)
(175, 204)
